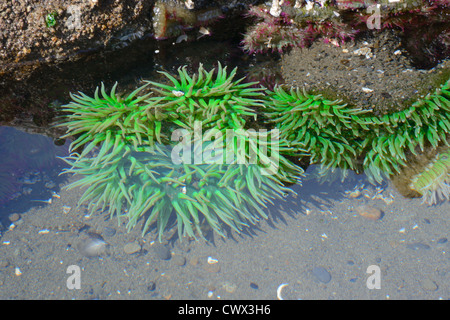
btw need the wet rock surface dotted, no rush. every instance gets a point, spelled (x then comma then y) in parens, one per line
(35, 33)
(49, 49)
(31, 40)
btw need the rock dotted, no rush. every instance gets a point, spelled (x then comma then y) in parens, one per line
(321, 274)
(254, 286)
(162, 252)
(369, 212)
(13, 217)
(417, 246)
(4, 263)
(212, 268)
(132, 247)
(428, 285)
(109, 232)
(179, 260)
(229, 287)
(93, 246)
(193, 261)
(151, 286)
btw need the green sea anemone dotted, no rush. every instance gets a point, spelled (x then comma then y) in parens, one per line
(128, 163)
(433, 183)
(110, 121)
(50, 19)
(214, 98)
(218, 102)
(147, 182)
(395, 136)
(329, 131)
(338, 136)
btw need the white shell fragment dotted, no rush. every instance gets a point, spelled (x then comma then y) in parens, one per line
(279, 289)
(212, 260)
(189, 4)
(182, 38)
(366, 90)
(17, 271)
(178, 93)
(275, 9)
(55, 195)
(43, 231)
(66, 209)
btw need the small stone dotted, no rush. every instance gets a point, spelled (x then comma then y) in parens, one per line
(151, 286)
(369, 212)
(4, 263)
(442, 240)
(50, 184)
(193, 261)
(14, 217)
(418, 246)
(17, 271)
(254, 286)
(428, 285)
(132, 247)
(93, 246)
(229, 287)
(109, 232)
(162, 252)
(321, 274)
(179, 260)
(212, 268)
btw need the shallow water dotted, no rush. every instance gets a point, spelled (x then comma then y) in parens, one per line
(308, 238)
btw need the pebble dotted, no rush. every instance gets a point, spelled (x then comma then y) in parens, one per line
(229, 287)
(428, 285)
(193, 261)
(13, 217)
(4, 263)
(151, 286)
(418, 246)
(254, 286)
(212, 268)
(369, 212)
(442, 240)
(132, 247)
(321, 274)
(93, 246)
(109, 232)
(179, 260)
(162, 252)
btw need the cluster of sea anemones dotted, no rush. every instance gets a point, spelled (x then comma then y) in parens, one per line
(133, 167)
(338, 136)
